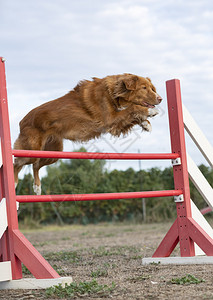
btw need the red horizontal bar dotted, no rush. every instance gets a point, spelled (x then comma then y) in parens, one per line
(93, 155)
(205, 210)
(90, 197)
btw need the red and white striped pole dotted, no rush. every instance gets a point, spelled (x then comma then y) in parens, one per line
(7, 182)
(14, 246)
(184, 230)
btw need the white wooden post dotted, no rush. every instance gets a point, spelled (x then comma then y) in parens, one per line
(200, 182)
(199, 218)
(5, 271)
(3, 217)
(197, 136)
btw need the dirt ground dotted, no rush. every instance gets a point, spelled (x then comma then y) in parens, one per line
(111, 254)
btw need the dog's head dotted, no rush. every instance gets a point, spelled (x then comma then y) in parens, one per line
(135, 89)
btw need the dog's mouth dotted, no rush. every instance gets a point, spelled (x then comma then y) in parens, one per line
(148, 105)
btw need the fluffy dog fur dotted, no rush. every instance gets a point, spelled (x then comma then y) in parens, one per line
(112, 105)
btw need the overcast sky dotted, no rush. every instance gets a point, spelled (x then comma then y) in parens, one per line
(50, 45)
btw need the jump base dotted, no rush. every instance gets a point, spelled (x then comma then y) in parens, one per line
(34, 284)
(193, 260)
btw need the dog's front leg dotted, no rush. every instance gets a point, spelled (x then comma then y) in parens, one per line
(37, 182)
(132, 115)
(141, 120)
(142, 113)
(121, 121)
(124, 120)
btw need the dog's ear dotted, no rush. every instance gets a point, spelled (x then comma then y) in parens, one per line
(131, 82)
(148, 79)
(125, 85)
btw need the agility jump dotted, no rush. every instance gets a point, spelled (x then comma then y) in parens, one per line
(186, 230)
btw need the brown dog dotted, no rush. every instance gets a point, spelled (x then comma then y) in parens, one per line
(112, 105)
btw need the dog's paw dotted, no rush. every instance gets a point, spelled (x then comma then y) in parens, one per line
(146, 126)
(37, 189)
(152, 112)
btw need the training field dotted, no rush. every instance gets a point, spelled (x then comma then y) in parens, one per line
(105, 263)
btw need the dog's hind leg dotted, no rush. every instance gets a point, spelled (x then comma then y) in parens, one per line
(37, 182)
(53, 143)
(23, 143)
(18, 165)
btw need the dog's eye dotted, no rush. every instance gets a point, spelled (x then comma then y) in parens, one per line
(144, 87)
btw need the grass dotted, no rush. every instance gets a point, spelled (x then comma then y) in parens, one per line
(116, 250)
(155, 263)
(25, 271)
(186, 280)
(70, 256)
(42, 244)
(51, 228)
(100, 272)
(81, 288)
(59, 270)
